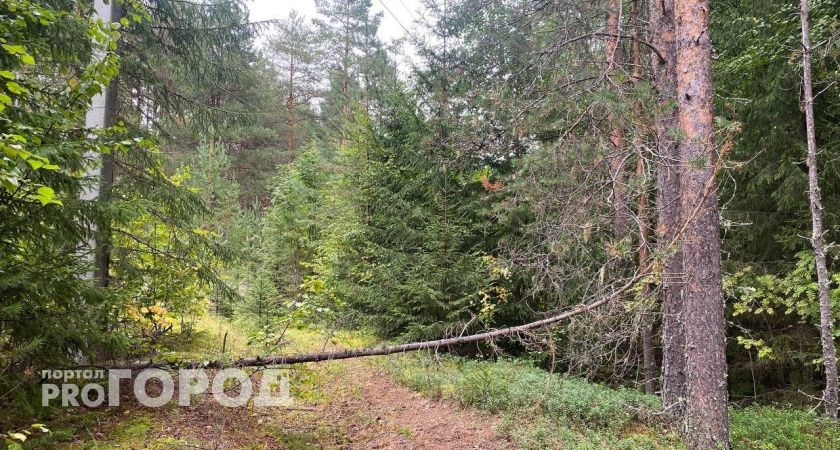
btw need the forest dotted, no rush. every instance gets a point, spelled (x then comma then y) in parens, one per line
(534, 224)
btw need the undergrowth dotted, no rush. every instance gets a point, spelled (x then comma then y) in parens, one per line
(549, 411)
(213, 338)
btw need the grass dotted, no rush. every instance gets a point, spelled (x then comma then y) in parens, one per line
(107, 428)
(136, 432)
(778, 427)
(538, 410)
(549, 411)
(206, 342)
(311, 438)
(79, 429)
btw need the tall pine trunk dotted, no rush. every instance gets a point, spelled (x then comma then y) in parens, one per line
(668, 205)
(826, 332)
(643, 253)
(707, 421)
(618, 142)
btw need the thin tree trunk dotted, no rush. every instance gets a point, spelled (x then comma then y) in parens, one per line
(826, 332)
(290, 106)
(621, 213)
(345, 78)
(648, 355)
(707, 418)
(668, 206)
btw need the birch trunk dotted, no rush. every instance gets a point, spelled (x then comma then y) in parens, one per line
(102, 114)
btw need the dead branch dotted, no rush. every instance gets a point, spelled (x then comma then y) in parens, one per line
(385, 349)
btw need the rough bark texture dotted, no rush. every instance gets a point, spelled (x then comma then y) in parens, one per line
(618, 142)
(826, 332)
(648, 355)
(707, 421)
(668, 206)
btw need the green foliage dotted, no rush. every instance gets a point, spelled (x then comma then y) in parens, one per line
(261, 304)
(541, 433)
(757, 76)
(54, 61)
(514, 385)
(45, 228)
(771, 428)
(162, 265)
(211, 177)
(772, 287)
(208, 83)
(410, 228)
(292, 224)
(543, 410)
(764, 302)
(793, 293)
(184, 61)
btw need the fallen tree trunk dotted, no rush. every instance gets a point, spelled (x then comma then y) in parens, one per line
(382, 350)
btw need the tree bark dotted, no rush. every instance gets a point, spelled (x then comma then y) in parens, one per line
(668, 205)
(648, 355)
(826, 331)
(707, 419)
(663, 36)
(643, 252)
(618, 142)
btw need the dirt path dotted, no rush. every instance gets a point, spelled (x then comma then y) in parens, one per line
(383, 415)
(353, 405)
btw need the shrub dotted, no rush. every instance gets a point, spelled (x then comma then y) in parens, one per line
(771, 428)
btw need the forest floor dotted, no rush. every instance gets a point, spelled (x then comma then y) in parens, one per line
(417, 401)
(343, 404)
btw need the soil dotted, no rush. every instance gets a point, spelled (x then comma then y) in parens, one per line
(358, 406)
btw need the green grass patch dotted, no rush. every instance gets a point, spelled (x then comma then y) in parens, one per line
(549, 411)
(318, 437)
(135, 432)
(781, 428)
(211, 334)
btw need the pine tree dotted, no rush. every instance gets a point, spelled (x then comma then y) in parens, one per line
(707, 396)
(668, 175)
(295, 53)
(347, 27)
